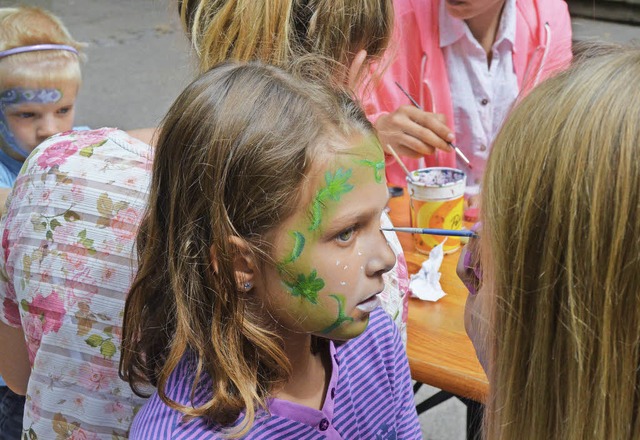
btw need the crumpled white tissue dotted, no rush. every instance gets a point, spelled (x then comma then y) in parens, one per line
(425, 284)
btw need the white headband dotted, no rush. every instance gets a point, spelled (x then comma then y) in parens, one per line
(37, 47)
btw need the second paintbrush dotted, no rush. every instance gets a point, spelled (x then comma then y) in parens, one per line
(432, 231)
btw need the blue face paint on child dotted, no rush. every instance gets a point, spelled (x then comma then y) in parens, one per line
(30, 115)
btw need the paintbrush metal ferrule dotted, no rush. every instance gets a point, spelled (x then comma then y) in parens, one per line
(432, 231)
(461, 155)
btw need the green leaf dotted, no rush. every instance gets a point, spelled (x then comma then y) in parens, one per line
(38, 225)
(306, 287)
(87, 151)
(25, 305)
(342, 317)
(71, 216)
(120, 205)
(108, 349)
(298, 247)
(49, 235)
(105, 205)
(378, 168)
(337, 184)
(54, 224)
(94, 340)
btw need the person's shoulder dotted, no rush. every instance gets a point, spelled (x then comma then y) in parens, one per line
(541, 10)
(105, 154)
(418, 8)
(157, 420)
(7, 177)
(85, 144)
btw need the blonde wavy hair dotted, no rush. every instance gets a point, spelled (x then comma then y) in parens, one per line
(280, 31)
(561, 237)
(25, 26)
(230, 161)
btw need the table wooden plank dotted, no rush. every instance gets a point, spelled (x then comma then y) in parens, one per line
(439, 350)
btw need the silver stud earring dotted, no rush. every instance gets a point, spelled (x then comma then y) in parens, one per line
(247, 286)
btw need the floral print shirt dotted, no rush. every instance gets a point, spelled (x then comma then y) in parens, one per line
(67, 262)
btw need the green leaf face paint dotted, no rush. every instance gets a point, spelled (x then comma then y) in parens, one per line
(336, 185)
(306, 287)
(331, 254)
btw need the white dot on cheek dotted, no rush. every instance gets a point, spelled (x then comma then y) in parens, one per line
(360, 254)
(361, 267)
(345, 268)
(337, 262)
(343, 283)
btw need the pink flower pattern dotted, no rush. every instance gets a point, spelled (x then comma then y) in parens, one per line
(56, 154)
(65, 284)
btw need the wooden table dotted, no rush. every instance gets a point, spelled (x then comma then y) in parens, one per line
(439, 350)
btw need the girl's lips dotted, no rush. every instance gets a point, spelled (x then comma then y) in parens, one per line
(369, 305)
(455, 2)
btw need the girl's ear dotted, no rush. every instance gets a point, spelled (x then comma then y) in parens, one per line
(355, 69)
(244, 264)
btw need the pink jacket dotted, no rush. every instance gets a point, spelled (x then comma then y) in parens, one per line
(542, 46)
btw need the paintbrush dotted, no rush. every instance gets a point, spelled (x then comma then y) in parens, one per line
(431, 231)
(459, 152)
(401, 163)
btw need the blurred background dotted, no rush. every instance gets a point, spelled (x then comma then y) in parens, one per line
(139, 61)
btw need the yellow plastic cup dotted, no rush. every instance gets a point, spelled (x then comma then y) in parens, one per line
(436, 197)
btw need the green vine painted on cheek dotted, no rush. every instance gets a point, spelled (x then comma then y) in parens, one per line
(298, 247)
(378, 168)
(306, 287)
(342, 318)
(336, 186)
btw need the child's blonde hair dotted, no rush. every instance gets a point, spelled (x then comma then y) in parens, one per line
(280, 31)
(231, 158)
(561, 240)
(27, 26)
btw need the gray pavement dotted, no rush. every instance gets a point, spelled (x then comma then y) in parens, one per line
(139, 61)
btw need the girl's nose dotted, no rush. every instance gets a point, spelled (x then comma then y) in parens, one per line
(383, 259)
(48, 127)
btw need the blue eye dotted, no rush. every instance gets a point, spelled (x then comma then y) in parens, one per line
(346, 235)
(64, 110)
(26, 115)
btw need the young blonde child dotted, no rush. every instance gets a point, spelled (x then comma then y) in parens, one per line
(39, 81)
(255, 308)
(557, 321)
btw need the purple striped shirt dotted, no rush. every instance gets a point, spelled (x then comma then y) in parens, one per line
(369, 397)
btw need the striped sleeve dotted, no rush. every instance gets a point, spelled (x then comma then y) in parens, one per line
(407, 424)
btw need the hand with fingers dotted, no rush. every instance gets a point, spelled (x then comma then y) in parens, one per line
(413, 132)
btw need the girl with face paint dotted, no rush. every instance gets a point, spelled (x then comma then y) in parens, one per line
(255, 308)
(39, 80)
